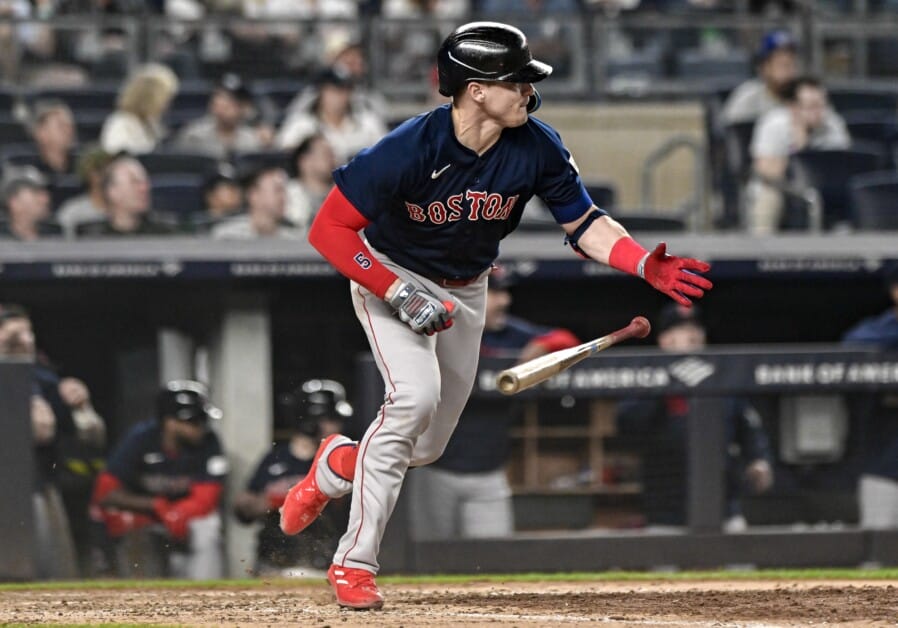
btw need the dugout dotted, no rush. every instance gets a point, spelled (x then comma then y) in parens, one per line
(125, 315)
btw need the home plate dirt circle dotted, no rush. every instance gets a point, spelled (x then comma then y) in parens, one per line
(717, 604)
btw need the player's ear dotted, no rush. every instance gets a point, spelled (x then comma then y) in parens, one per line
(476, 91)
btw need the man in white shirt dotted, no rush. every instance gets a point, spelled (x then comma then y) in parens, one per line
(805, 122)
(777, 60)
(265, 191)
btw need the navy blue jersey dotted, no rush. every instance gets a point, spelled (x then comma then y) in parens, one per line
(480, 441)
(144, 467)
(439, 209)
(277, 472)
(279, 466)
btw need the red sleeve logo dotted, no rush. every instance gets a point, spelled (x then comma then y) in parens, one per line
(362, 260)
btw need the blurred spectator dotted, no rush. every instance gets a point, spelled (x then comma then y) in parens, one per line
(223, 198)
(348, 56)
(882, 330)
(777, 67)
(660, 426)
(878, 483)
(331, 113)
(314, 163)
(27, 203)
(55, 549)
(159, 497)
(53, 129)
(805, 122)
(136, 124)
(444, 9)
(32, 38)
(465, 493)
(90, 206)
(548, 37)
(265, 193)
(126, 190)
(312, 412)
(223, 130)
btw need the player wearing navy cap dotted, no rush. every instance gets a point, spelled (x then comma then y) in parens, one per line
(434, 198)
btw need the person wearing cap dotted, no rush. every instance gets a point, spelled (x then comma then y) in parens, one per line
(312, 163)
(315, 410)
(347, 129)
(804, 122)
(878, 418)
(223, 131)
(777, 65)
(222, 199)
(53, 130)
(68, 438)
(27, 204)
(659, 427)
(465, 493)
(265, 193)
(91, 205)
(160, 494)
(126, 190)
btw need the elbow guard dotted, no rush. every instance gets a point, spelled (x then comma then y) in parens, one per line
(573, 238)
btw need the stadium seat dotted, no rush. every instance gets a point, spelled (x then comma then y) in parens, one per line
(644, 64)
(874, 201)
(63, 188)
(830, 171)
(737, 138)
(179, 195)
(846, 100)
(729, 68)
(159, 163)
(19, 154)
(245, 162)
(13, 132)
(603, 194)
(89, 123)
(278, 91)
(93, 98)
(880, 134)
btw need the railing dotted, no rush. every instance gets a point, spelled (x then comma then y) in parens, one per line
(595, 55)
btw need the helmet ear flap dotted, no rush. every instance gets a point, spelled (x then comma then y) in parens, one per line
(535, 101)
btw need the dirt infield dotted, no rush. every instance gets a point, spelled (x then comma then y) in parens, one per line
(744, 603)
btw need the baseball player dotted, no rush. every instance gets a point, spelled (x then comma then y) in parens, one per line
(434, 198)
(160, 493)
(313, 411)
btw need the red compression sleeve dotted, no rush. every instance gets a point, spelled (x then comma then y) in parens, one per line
(335, 234)
(626, 254)
(556, 340)
(202, 500)
(104, 484)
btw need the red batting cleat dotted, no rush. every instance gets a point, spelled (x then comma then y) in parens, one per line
(354, 588)
(305, 501)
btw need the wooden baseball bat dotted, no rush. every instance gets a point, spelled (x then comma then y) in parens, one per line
(523, 376)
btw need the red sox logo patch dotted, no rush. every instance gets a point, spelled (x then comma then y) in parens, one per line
(471, 205)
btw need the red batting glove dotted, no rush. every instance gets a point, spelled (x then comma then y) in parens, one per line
(676, 276)
(174, 521)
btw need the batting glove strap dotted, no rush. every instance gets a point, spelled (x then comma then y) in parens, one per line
(420, 309)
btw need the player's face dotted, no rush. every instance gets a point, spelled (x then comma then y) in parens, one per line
(506, 102)
(682, 338)
(497, 303)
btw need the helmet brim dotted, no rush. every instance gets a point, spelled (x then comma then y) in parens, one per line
(533, 72)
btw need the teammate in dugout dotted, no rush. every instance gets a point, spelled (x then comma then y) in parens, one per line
(317, 409)
(434, 198)
(160, 493)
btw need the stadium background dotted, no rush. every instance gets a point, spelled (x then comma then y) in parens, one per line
(634, 95)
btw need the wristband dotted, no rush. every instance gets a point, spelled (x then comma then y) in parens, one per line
(629, 256)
